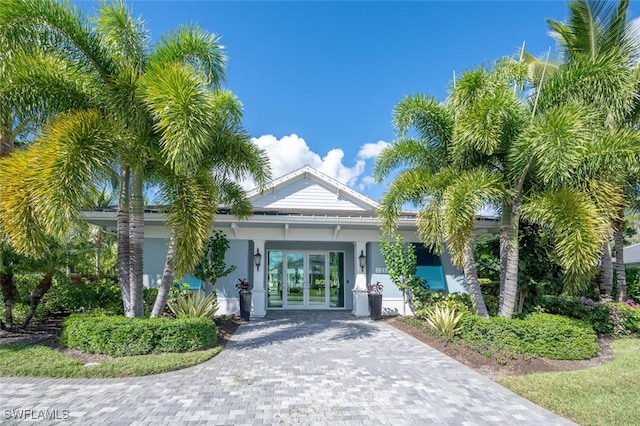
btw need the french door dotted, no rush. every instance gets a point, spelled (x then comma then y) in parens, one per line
(305, 279)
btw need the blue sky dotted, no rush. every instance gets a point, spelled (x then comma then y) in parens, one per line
(319, 80)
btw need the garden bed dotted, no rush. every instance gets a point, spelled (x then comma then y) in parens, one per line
(498, 365)
(47, 333)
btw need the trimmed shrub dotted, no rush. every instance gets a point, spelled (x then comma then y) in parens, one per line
(606, 317)
(633, 283)
(544, 335)
(597, 314)
(120, 336)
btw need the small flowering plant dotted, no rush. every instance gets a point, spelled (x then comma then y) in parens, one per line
(243, 285)
(374, 288)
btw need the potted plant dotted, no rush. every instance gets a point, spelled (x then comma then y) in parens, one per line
(244, 290)
(374, 291)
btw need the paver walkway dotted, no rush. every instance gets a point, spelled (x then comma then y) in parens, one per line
(290, 368)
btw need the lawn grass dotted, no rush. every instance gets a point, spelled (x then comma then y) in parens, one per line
(42, 361)
(608, 394)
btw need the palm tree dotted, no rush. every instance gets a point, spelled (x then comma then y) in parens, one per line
(142, 106)
(22, 113)
(599, 68)
(448, 195)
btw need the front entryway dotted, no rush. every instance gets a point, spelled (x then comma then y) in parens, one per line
(305, 279)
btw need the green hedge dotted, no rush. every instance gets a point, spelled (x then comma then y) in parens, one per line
(544, 335)
(120, 336)
(615, 319)
(597, 314)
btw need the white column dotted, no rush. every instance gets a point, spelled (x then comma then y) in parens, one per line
(360, 299)
(259, 294)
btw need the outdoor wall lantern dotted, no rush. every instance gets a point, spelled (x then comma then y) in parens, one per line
(363, 260)
(257, 258)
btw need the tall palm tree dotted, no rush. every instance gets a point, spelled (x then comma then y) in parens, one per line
(22, 113)
(600, 52)
(448, 195)
(143, 106)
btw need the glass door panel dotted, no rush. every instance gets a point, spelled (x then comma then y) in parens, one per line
(295, 284)
(317, 288)
(336, 279)
(275, 278)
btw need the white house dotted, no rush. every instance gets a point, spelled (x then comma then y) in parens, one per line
(312, 243)
(632, 255)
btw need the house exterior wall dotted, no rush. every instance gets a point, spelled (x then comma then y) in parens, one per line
(306, 211)
(155, 253)
(240, 254)
(392, 300)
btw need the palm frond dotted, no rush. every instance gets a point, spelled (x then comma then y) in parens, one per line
(125, 37)
(410, 186)
(59, 22)
(43, 84)
(432, 120)
(579, 231)
(408, 152)
(181, 111)
(192, 204)
(20, 221)
(72, 154)
(195, 46)
(461, 199)
(557, 141)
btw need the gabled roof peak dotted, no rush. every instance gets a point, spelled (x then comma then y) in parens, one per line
(309, 172)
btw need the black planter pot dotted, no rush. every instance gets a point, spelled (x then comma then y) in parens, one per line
(245, 306)
(375, 306)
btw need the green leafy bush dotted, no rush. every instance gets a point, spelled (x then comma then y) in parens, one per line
(596, 314)
(82, 294)
(120, 336)
(633, 318)
(545, 335)
(606, 317)
(633, 283)
(460, 301)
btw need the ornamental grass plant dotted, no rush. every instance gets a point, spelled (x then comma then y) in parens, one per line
(194, 305)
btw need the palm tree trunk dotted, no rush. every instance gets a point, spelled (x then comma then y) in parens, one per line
(505, 231)
(9, 295)
(509, 294)
(124, 240)
(606, 268)
(167, 279)
(36, 295)
(618, 238)
(137, 241)
(6, 145)
(98, 246)
(471, 276)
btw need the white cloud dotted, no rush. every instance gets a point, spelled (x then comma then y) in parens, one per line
(366, 182)
(371, 150)
(291, 152)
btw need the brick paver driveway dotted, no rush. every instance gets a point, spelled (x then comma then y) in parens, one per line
(290, 368)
